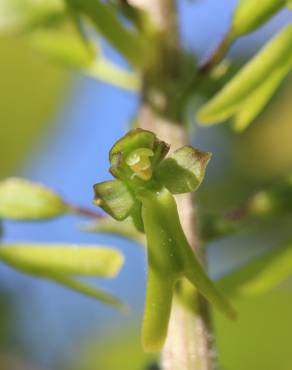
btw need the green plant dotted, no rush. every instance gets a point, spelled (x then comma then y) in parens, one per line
(141, 199)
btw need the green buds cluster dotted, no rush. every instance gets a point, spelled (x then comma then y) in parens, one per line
(145, 182)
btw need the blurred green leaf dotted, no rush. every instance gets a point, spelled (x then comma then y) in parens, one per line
(114, 197)
(25, 200)
(261, 338)
(125, 229)
(88, 290)
(115, 349)
(61, 259)
(184, 170)
(70, 49)
(254, 104)
(64, 48)
(275, 60)
(129, 43)
(260, 275)
(59, 262)
(250, 15)
(104, 70)
(36, 102)
(16, 15)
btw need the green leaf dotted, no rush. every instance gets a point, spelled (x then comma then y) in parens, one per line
(125, 229)
(66, 49)
(62, 259)
(103, 70)
(275, 56)
(289, 4)
(130, 44)
(21, 14)
(72, 50)
(254, 104)
(90, 291)
(260, 275)
(115, 198)
(184, 170)
(250, 15)
(25, 200)
(59, 262)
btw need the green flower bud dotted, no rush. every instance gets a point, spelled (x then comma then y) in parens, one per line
(139, 161)
(143, 192)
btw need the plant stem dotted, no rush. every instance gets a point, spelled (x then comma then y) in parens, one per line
(217, 54)
(189, 344)
(86, 212)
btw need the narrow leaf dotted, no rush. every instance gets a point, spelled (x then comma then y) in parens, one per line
(260, 275)
(250, 15)
(17, 15)
(25, 200)
(66, 49)
(71, 50)
(184, 170)
(61, 259)
(108, 72)
(125, 229)
(254, 104)
(90, 291)
(127, 42)
(277, 54)
(115, 198)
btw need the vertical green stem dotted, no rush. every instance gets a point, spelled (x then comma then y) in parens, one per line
(190, 341)
(189, 344)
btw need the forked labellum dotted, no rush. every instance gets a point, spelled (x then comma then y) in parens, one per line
(143, 189)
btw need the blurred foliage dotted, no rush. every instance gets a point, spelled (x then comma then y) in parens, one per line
(264, 152)
(119, 350)
(124, 229)
(260, 275)
(248, 16)
(30, 91)
(64, 264)
(261, 337)
(21, 199)
(245, 95)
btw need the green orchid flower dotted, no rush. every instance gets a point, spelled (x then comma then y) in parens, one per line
(143, 190)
